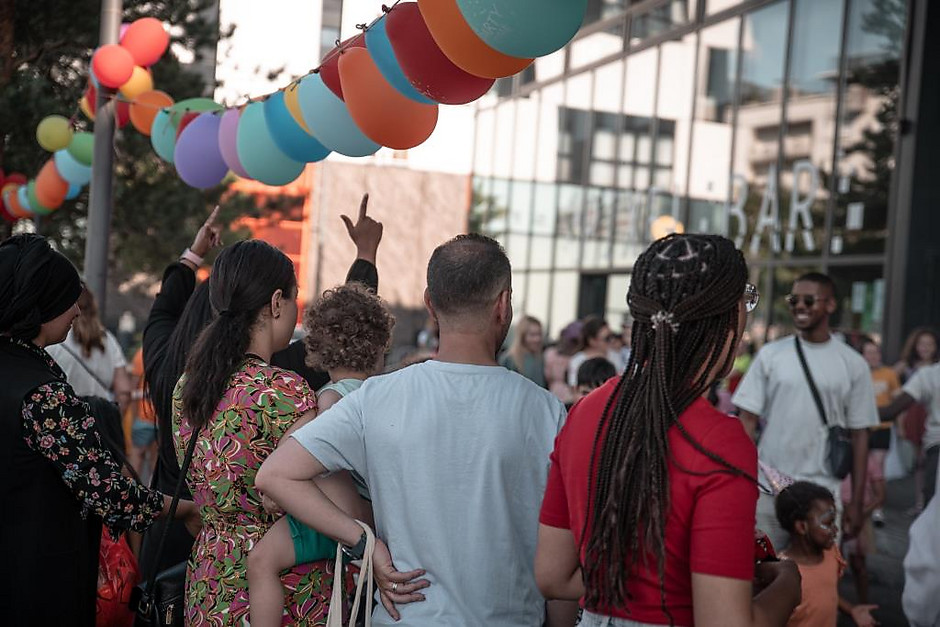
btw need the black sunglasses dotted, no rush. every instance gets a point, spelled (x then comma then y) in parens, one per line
(808, 299)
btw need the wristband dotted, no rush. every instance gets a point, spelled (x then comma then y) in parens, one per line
(357, 551)
(190, 256)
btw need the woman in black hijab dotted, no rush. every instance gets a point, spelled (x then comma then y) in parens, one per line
(58, 482)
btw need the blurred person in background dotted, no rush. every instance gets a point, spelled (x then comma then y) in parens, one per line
(593, 374)
(595, 342)
(558, 358)
(525, 354)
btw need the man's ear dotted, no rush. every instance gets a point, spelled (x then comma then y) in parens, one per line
(504, 305)
(831, 305)
(428, 305)
(276, 298)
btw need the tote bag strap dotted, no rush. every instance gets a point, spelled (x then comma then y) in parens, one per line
(335, 617)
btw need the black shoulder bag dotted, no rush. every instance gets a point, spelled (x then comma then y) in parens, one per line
(161, 599)
(839, 442)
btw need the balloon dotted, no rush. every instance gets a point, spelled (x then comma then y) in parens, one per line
(113, 65)
(122, 113)
(123, 31)
(329, 66)
(163, 135)
(34, 204)
(329, 119)
(145, 108)
(82, 147)
(292, 101)
(384, 115)
(457, 40)
(4, 212)
(16, 177)
(188, 117)
(51, 188)
(92, 79)
(228, 142)
(54, 133)
(191, 105)
(140, 81)
(22, 201)
(524, 28)
(429, 69)
(9, 197)
(287, 134)
(197, 156)
(146, 40)
(258, 153)
(86, 108)
(70, 169)
(380, 48)
(74, 191)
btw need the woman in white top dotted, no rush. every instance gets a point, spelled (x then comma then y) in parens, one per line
(91, 357)
(595, 342)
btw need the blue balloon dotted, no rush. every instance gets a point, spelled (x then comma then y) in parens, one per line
(70, 169)
(524, 28)
(328, 119)
(258, 153)
(380, 48)
(289, 136)
(23, 197)
(74, 191)
(163, 136)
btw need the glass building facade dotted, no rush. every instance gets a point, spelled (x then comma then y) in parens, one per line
(772, 122)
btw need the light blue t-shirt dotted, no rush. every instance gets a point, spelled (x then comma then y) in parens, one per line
(456, 457)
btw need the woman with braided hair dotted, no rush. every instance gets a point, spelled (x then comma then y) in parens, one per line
(649, 511)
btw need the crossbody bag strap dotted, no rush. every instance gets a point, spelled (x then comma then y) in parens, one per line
(809, 379)
(190, 448)
(82, 363)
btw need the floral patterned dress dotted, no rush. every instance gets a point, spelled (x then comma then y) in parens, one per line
(259, 406)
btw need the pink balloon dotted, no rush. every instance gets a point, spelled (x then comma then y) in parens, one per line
(228, 133)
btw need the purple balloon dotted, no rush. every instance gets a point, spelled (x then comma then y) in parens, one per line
(124, 28)
(228, 134)
(197, 156)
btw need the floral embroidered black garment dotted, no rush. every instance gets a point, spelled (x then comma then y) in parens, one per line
(58, 425)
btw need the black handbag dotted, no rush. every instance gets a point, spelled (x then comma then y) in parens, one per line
(839, 442)
(161, 599)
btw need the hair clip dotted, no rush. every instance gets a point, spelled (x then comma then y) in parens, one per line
(664, 317)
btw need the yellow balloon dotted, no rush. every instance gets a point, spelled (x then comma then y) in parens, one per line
(86, 109)
(293, 106)
(665, 225)
(140, 81)
(54, 133)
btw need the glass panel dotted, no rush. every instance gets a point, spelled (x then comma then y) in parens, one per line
(756, 146)
(536, 302)
(861, 297)
(714, 6)
(598, 221)
(598, 10)
(549, 146)
(518, 251)
(570, 203)
(540, 252)
(572, 143)
(483, 155)
(502, 155)
(526, 132)
(867, 137)
(616, 310)
(711, 134)
(549, 67)
(519, 285)
(809, 132)
(640, 85)
(564, 301)
(498, 216)
(598, 45)
(629, 232)
(479, 204)
(520, 213)
(543, 212)
(661, 19)
(608, 87)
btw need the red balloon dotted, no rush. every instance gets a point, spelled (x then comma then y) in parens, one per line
(91, 95)
(329, 67)
(429, 69)
(380, 111)
(122, 112)
(113, 65)
(16, 177)
(51, 188)
(185, 119)
(146, 40)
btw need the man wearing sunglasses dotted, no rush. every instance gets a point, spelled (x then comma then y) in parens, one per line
(776, 389)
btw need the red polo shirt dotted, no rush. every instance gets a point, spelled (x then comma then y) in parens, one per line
(711, 520)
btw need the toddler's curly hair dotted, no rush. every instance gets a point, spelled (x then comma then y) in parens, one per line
(348, 327)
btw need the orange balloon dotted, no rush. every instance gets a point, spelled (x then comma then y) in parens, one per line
(462, 46)
(51, 188)
(86, 108)
(13, 203)
(145, 108)
(382, 113)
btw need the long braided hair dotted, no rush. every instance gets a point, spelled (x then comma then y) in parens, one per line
(684, 296)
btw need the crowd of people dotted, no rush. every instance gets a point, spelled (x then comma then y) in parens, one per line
(661, 474)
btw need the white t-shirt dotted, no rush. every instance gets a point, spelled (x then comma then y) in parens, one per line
(614, 357)
(922, 569)
(101, 363)
(775, 388)
(924, 387)
(456, 458)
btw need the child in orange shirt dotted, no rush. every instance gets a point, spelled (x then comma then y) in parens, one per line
(808, 512)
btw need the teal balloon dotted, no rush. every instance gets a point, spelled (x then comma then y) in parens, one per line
(82, 147)
(34, 204)
(74, 191)
(70, 169)
(258, 153)
(328, 119)
(163, 136)
(380, 49)
(524, 28)
(191, 105)
(23, 197)
(289, 136)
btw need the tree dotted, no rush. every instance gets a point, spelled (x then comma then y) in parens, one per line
(45, 50)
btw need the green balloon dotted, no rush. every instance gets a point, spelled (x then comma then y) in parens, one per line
(82, 147)
(192, 105)
(34, 203)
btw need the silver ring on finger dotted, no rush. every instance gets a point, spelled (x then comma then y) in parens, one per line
(394, 587)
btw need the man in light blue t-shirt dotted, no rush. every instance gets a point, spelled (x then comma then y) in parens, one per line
(455, 452)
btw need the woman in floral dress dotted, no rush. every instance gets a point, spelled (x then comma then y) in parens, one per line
(242, 407)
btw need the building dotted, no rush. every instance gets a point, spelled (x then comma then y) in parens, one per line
(786, 124)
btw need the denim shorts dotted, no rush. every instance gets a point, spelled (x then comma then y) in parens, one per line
(590, 619)
(143, 433)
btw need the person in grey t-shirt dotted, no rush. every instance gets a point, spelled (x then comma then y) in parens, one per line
(455, 452)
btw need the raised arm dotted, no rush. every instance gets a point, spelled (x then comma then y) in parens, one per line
(366, 234)
(902, 402)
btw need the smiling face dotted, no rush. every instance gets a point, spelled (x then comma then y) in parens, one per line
(600, 341)
(820, 527)
(926, 348)
(810, 304)
(872, 354)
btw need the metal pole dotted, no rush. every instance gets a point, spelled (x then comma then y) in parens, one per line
(99, 203)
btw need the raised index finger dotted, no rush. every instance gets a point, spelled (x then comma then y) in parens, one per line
(363, 205)
(210, 221)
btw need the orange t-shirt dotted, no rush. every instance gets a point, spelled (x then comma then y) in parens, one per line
(820, 604)
(886, 383)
